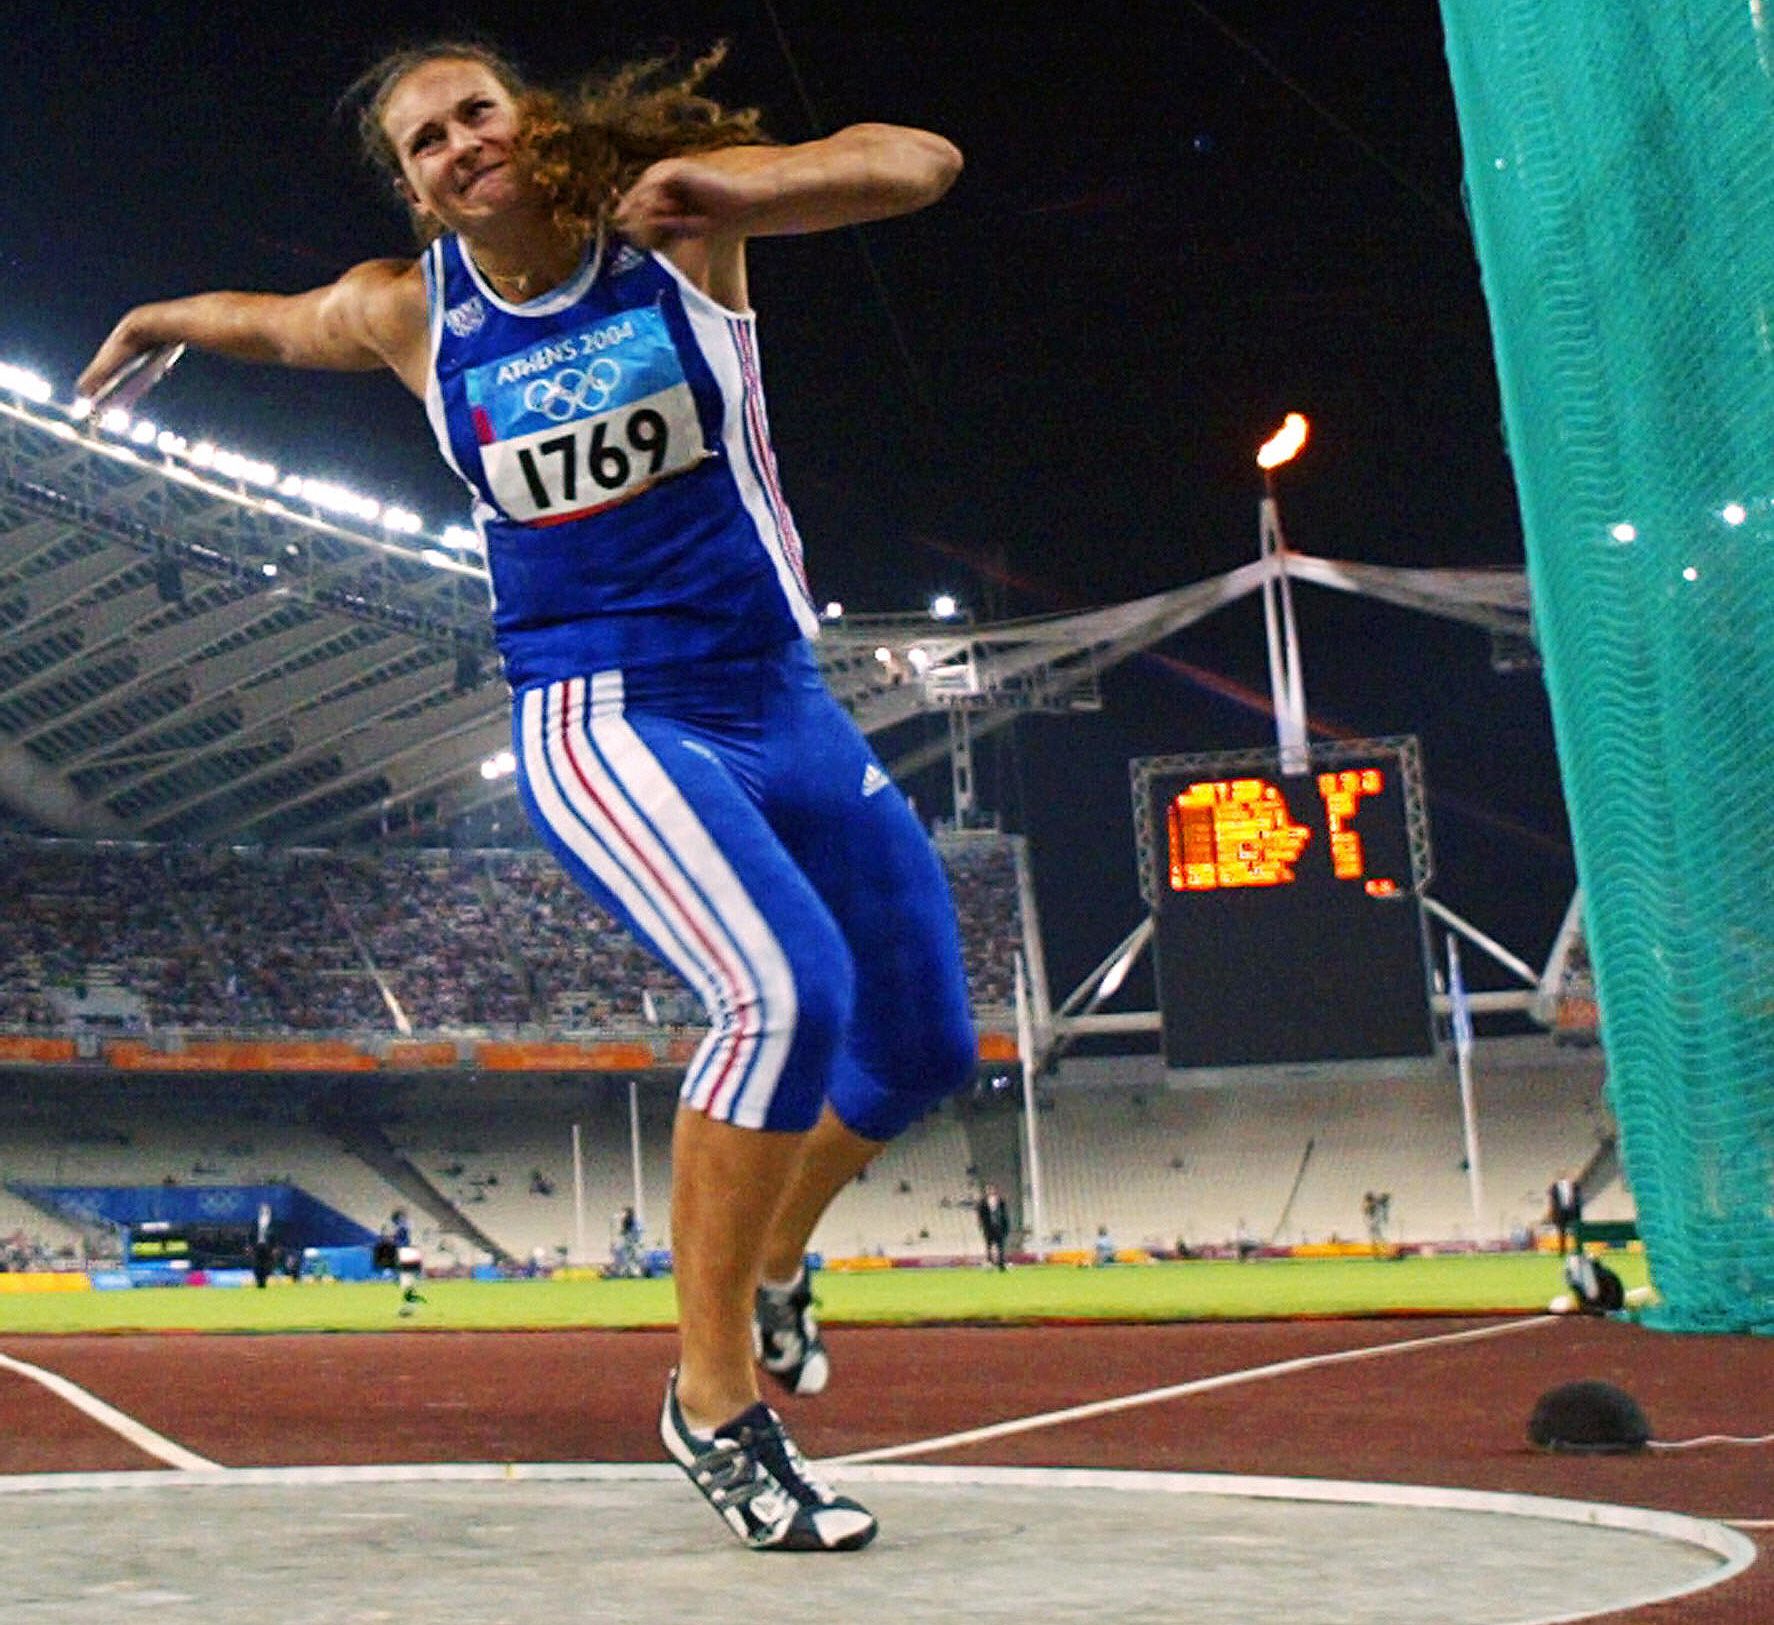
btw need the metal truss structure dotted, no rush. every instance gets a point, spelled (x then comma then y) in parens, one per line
(185, 656)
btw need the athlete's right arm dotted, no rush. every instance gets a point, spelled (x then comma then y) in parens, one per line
(373, 316)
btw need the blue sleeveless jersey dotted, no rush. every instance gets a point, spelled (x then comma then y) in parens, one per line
(614, 437)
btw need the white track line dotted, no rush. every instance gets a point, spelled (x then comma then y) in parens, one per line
(1156, 1396)
(126, 1427)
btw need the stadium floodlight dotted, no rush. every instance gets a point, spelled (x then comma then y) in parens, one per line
(834, 611)
(1285, 444)
(399, 519)
(461, 539)
(1734, 513)
(498, 766)
(269, 570)
(143, 433)
(884, 655)
(114, 421)
(918, 660)
(336, 499)
(943, 607)
(23, 382)
(231, 465)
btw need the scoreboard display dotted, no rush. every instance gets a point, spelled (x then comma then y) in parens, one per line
(1288, 924)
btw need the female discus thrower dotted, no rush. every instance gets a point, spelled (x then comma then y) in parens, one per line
(578, 328)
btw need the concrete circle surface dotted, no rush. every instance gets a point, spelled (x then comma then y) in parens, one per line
(986, 1545)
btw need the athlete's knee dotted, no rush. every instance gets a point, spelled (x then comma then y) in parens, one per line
(800, 1000)
(882, 1098)
(766, 1062)
(935, 1044)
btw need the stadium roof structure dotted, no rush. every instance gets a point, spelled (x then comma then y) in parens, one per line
(195, 648)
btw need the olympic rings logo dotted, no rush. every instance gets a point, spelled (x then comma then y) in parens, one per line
(571, 393)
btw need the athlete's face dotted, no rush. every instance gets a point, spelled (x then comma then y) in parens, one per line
(453, 126)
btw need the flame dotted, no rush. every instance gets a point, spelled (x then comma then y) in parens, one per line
(1285, 444)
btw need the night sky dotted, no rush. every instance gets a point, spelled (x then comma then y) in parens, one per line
(1177, 222)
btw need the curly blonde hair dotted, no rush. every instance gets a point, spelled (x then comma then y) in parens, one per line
(582, 148)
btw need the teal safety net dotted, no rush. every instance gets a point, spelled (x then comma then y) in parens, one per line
(1619, 166)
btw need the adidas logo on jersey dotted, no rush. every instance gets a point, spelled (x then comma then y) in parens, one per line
(466, 318)
(873, 779)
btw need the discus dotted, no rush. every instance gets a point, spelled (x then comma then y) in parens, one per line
(130, 382)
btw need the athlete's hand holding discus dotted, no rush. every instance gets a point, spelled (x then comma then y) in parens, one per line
(125, 357)
(373, 316)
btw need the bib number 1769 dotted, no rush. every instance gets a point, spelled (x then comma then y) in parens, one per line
(611, 462)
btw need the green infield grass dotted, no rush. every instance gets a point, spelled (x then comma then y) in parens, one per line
(1201, 1290)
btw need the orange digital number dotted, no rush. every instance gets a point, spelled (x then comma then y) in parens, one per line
(1341, 794)
(1227, 833)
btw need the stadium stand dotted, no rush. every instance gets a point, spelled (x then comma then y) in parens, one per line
(429, 925)
(587, 974)
(1205, 1160)
(113, 938)
(245, 941)
(1213, 1159)
(31, 1239)
(202, 1132)
(501, 1151)
(981, 868)
(915, 1200)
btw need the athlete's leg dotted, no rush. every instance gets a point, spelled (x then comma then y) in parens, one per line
(910, 1040)
(831, 1155)
(652, 821)
(725, 1183)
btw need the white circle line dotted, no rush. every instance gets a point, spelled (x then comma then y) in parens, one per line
(1735, 1550)
(144, 1438)
(1156, 1396)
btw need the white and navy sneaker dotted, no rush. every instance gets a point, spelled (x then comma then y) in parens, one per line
(750, 1472)
(786, 1336)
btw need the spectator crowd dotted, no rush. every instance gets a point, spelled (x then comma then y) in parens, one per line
(136, 937)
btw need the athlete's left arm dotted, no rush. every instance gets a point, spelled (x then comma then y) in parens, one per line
(699, 209)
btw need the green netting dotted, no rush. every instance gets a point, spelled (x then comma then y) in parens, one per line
(1620, 170)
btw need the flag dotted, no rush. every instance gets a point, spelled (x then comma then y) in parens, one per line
(1457, 1001)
